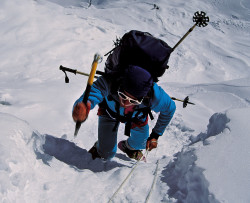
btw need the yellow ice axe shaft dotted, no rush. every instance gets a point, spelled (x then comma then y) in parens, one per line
(97, 58)
(93, 70)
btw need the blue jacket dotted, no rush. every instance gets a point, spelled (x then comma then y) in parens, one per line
(161, 102)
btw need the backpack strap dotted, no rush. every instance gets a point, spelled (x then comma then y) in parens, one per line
(128, 124)
(127, 118)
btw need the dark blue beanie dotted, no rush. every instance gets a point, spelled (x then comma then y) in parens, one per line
(137, 81)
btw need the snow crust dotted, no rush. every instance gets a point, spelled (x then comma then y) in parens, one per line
(203, 155)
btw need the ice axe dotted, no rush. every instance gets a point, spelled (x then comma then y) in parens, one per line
(96, 60)
(185, 101)
(200, 20)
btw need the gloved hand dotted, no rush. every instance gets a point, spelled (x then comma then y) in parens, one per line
(152, 141)
(81, 112)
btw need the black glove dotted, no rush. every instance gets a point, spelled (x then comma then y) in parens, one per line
(153, 135)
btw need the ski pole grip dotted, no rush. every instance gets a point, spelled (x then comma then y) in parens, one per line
(67, 69)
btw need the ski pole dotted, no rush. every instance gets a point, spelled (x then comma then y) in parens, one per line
(65, 69)
(96, 60)
(200, 20)
(185, 101)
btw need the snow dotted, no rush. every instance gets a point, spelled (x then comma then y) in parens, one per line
(204, 153)
(228, 155)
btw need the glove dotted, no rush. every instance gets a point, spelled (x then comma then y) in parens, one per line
(81, 111)
(152, 141)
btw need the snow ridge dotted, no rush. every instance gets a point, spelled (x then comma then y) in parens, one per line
(217, 124)
(185, 179)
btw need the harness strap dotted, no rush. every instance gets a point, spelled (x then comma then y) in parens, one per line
(117, 108)
(150, 114)
(130, 122)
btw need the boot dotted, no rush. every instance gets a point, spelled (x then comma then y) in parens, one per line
(93, 152)
(133, 154)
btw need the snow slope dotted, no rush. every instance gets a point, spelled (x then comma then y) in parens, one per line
(203, 155)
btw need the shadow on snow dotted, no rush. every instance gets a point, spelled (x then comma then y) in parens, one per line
(72, 155)
(186, 180)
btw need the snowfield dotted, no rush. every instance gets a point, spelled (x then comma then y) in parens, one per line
(204, 153)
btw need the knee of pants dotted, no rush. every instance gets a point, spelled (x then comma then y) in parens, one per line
(107, 137)
(138, 138)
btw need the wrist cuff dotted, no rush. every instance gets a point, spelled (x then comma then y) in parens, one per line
(154, 135)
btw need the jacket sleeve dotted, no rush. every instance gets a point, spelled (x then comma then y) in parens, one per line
(166, 106)
(99, 90)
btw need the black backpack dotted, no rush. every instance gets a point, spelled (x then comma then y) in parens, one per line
(140, 49)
